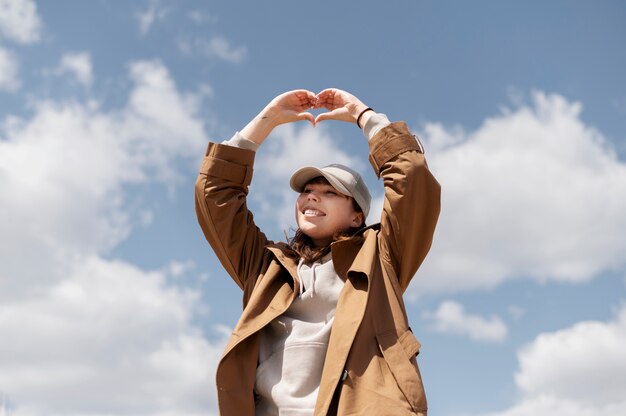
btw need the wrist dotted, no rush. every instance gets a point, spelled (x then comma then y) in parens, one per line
(363, 116)
(357, 109)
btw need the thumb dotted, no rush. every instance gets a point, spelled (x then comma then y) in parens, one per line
(306, 116)
(329, 115)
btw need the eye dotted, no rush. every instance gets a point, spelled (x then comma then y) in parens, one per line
(331, 192)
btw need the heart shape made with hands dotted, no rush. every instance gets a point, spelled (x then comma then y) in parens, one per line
(340, 105)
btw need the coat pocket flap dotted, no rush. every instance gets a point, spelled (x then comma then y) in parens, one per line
(399, 353)
(406, 340)
(410, 344)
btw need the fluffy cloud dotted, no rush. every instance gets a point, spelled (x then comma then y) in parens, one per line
(82, 334)
(108, 339)
(19, 20)
(78, 65)
(62, 174)
(451, 318)
(533, 193)
(578, 371)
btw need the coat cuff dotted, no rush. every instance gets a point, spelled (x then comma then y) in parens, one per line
(228, 162)
(391, 141)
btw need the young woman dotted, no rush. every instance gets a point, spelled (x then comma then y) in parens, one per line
(324, 328)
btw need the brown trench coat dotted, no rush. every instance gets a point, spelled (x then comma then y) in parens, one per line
(370, 366)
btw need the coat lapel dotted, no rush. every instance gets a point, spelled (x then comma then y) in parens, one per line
(273, 294)
(350, 310)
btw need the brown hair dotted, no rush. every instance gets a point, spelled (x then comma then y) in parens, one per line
(303, 245)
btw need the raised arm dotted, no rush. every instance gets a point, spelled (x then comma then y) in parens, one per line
(222, 188)
(412, 200)
(412, 194)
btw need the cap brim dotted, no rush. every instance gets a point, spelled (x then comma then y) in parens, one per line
(303, 175)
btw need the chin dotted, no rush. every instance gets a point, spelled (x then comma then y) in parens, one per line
(314, 234)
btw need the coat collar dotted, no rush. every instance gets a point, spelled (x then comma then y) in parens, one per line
(283, 253)
(344, 255)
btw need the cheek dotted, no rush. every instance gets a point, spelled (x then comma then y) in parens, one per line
(298, 204)
(296, 209)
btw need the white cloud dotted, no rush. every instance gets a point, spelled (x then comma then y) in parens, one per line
(578, 371)
(62, 173)
(546, 405)
(586, 362)
(152, 14)
(533, 193)
(217, 47)
(286, 150)
(109, 339)
(19, 20)
(82, 334)
(9, 71)
(79, 65)
(451, 318)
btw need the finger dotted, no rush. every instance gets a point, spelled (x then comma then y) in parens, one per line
(301, 95)
(307, 99)
(306, 116)
(329, 115)
(327, 102)
(326, 92)
(325, 97)
(320, 117)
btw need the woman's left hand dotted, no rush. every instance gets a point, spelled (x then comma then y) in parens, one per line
(343, 106)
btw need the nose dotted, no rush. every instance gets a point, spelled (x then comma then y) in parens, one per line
(312, 196)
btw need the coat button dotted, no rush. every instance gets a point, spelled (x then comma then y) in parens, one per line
(344, 375)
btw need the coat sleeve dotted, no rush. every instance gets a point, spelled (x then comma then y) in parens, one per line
(411, 202)
(228, 225)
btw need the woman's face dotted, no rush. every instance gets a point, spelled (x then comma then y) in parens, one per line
(322, 211)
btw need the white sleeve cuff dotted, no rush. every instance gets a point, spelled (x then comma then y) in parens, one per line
(241, 142)
(374, 124)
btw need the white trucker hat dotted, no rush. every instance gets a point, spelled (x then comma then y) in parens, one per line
(342, 178)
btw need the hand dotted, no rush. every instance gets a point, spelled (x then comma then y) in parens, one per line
(343, 106)
(286, 108)
(289, 107)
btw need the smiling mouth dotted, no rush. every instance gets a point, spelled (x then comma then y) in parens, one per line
(310, 212)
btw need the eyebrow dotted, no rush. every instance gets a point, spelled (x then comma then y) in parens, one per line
(328, 186)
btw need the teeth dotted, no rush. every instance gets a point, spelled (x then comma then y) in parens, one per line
(314, 212)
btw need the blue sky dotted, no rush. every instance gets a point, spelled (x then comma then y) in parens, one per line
(111, 302)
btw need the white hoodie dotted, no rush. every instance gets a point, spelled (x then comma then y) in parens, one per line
(293, 346)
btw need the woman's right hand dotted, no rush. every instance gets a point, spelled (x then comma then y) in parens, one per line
(288, 107)
(291, 106)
